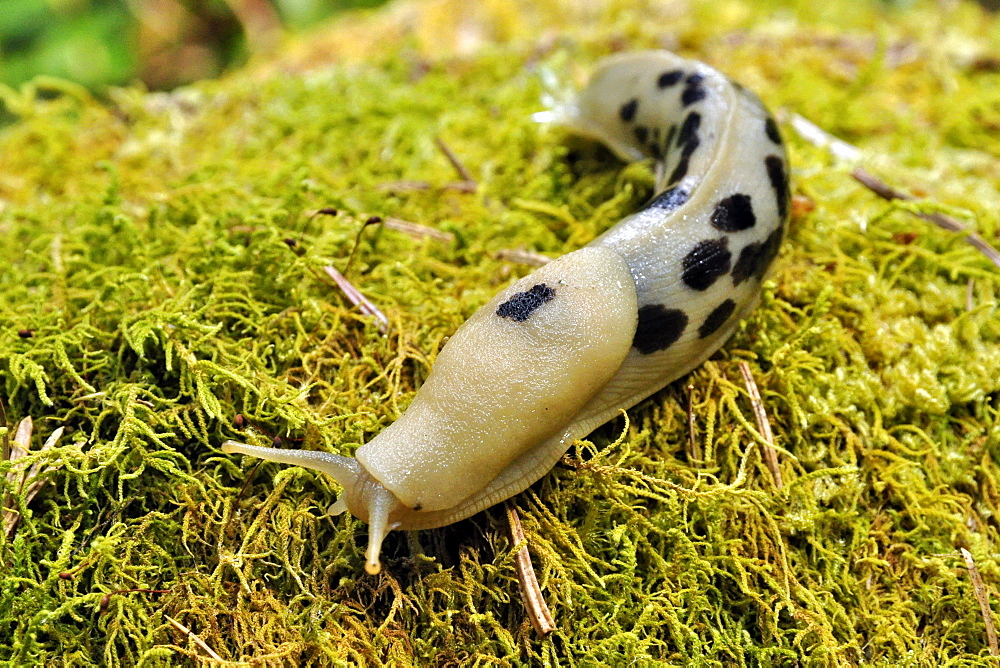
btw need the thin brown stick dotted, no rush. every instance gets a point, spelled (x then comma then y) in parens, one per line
(31, 485)
(463, 173)
(407, 185)
(817, 136)
(358, 299)
(521, 256)
(770, 456)
(979, 589)
(417, 230)
(4, 451)
(970, 296)
(531, 593)
(692, 441)
(841, 149)
(19, 445)
(26, 481)
(193, 636)
(885, 191)
(18, 448)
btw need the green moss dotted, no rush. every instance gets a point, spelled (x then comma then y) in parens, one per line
(145, 250)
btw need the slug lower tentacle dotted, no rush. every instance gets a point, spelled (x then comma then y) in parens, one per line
(561, 351)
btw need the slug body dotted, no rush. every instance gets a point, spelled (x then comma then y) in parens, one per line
(561, 351)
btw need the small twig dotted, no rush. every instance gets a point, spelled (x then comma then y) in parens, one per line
(25, 481)
(531, 593)
(692, 441)
(193, 636)
(984, 602)
(887, 192)
(19, 444)
(817, 136)
(358, 299)
(31, 485)
(521, 256)
(970, 295)
(4, 451)
(412, 186)
(247, 479)
(417, 230)
(770, 456)
(463, 173)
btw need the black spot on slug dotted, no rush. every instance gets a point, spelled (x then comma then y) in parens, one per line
(669, 199)
(734, 213)
(520, 307)
(689, 129)
(659, 327)
(755, 258)
(641, 133)
(627, 112)
(717, 318)
(779, 181)
(687, 141)
(746, 264)
(681, 170)
(693, 90)
(668, 79)
(706, 262)
(771, 128)
(770, 251)
(654, 148)
(670, 136)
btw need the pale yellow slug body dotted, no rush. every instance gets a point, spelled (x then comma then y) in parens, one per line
(562, 350)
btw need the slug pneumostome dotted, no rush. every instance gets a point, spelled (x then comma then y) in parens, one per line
(564, 349)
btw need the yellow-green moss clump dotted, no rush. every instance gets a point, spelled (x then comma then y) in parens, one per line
(149, 294)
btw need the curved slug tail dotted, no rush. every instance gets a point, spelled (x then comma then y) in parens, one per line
(344, 470)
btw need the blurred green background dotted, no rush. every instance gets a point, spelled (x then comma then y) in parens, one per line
(163, 43)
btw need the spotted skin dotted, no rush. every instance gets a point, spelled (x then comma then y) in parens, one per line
(670, 78)
(669, 199)
(779, 181)
(520, 306)
(717, 318)
(628, 110)
(701, 247)
(734, 213)
(707, 261)
(658, 328)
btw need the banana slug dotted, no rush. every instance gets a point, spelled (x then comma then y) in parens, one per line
(564, 349)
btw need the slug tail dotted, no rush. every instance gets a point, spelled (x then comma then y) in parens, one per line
(344, 470)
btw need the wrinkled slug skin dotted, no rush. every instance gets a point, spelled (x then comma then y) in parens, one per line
(562, 350)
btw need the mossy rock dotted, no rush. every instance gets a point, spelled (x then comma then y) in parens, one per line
(162, 274)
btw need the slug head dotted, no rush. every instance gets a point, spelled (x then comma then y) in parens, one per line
(363, 495)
